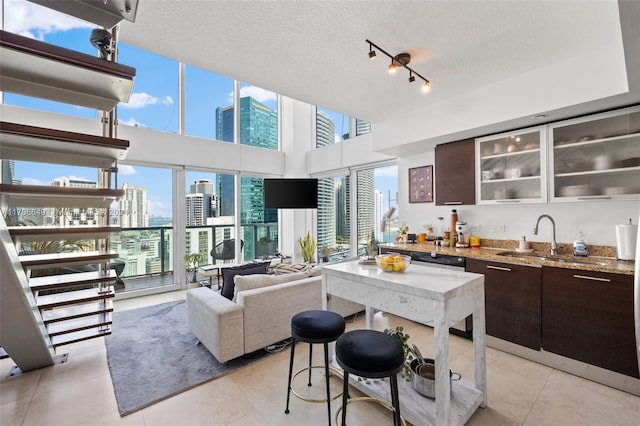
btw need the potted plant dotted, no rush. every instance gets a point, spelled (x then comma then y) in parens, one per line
(308, 247)
(193, 261)
(403, 230)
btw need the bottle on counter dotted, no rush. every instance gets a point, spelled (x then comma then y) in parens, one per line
(579, 246)
(452, 234)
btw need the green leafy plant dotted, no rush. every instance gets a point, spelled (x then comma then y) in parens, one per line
(308, 247)
(403, 338)
(193, 261)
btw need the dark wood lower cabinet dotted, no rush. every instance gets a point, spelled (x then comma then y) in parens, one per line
(512, 301)
(588, 316)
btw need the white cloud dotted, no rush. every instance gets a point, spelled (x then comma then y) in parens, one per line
(34, 181)
(34, 21)
(260, 95)
(386, 171)
(125, 169)
(142, 99)
(158, 208)
(131, 122)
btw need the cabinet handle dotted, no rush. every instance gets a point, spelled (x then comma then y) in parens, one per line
(507, 201)
(449, 203)
(595, 197)
(499, 268)
(586, 277)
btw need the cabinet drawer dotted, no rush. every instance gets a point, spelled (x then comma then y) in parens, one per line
(588, 316)
(512, 301)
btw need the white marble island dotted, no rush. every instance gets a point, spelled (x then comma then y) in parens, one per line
(432, 296)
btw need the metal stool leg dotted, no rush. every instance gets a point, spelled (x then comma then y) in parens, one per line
(395, 400)
(293, 349)
(345, 397)
(310, 359)
(326, 372)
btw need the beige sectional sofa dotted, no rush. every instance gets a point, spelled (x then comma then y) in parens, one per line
(260, 313)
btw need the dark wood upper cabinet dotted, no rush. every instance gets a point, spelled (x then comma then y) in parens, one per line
(455, 174)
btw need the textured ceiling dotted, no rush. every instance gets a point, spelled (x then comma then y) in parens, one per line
(315, 51)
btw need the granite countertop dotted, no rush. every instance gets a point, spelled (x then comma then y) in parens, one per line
(602, 262)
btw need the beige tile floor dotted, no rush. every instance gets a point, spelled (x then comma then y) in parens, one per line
(80, 392)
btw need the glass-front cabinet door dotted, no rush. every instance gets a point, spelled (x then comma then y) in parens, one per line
(511, 167)
(596, 157)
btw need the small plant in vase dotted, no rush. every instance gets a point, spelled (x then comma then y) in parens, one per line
(403, 231)
(193, 261)
(308, 247)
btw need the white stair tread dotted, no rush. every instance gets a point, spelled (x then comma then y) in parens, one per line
(73, 297)
(49, 260)
(77, 311)
(69, 280)
(78, 324)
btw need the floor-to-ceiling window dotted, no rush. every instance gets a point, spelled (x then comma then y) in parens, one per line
(207, 96)
(334, 218)
(376, 194)
(145, 244)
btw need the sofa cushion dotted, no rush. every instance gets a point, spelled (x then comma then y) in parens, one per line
(228, 275)
(249, 282)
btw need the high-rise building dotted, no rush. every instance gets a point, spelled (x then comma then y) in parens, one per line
(325, 135)
(133, 207)
(9, 172)
(73, 216)
(362, 127)
(200, 202)
(259, 128)
(366, 202)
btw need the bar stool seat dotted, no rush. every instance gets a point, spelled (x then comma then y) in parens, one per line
(372, 354)
(314, 326)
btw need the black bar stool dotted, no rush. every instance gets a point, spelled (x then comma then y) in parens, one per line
(314, 327)
(372, 354)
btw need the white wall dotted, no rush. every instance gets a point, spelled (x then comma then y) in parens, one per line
(597, 219)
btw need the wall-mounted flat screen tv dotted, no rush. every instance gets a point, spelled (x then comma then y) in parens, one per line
(289, 193)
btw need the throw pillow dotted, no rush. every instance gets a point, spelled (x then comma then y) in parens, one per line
(249, 282)
(285, 268)
(229, 273)
(315, 271)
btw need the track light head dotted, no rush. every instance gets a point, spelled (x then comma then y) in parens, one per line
(411, 77)
(372, 53)
(426, 86)
(392, 67)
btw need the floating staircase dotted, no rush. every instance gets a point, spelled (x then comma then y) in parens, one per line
(58, 280)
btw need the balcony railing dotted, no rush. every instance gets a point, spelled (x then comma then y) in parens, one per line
(147, 252)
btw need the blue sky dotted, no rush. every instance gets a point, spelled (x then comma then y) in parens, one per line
(152, 103)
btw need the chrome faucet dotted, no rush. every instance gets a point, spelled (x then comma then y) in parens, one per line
(554, 246)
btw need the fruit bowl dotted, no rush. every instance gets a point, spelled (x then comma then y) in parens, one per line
(393, 262)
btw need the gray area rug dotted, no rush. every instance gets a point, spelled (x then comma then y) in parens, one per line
(152, 356)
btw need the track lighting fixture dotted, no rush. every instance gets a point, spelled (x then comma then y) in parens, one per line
(372, 53)
(402, 60)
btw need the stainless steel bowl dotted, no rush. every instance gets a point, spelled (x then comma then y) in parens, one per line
(423, 377)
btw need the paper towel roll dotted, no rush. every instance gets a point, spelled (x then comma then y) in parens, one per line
(626, 236)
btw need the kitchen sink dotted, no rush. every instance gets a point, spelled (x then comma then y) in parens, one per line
(538, 256)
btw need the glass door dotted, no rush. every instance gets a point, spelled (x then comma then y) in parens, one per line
(511, 168)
